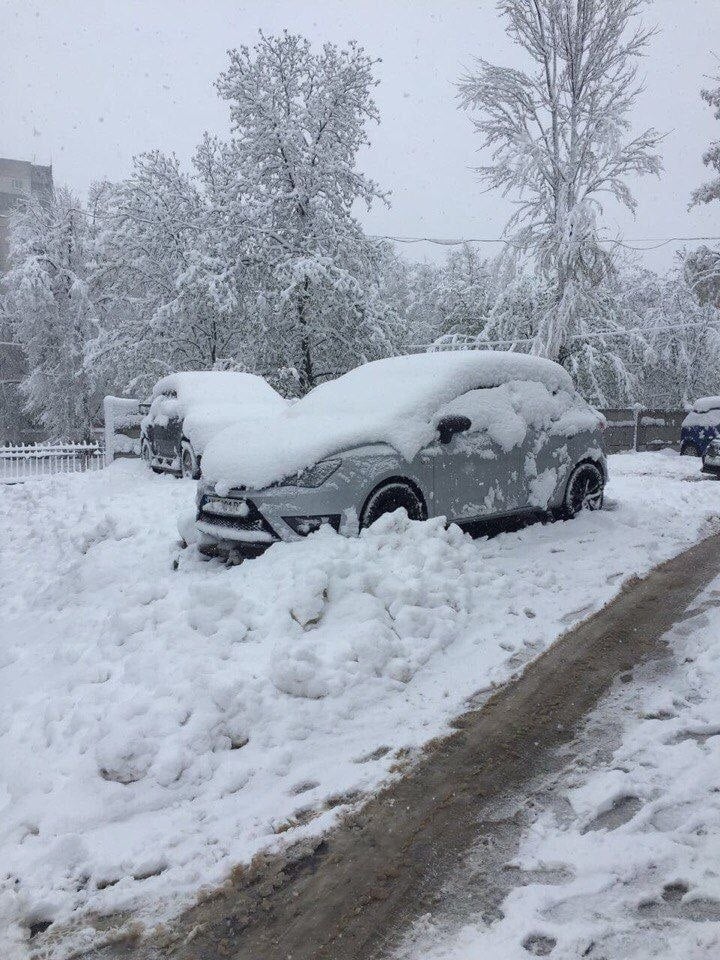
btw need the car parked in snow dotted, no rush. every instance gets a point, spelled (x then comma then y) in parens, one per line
(187, 409)
(711, 458)
(700, 426)
(470, 436)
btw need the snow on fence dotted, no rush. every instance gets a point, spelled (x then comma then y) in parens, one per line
(30, 460)
(122, 427)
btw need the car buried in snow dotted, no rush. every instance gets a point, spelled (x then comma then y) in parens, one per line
(187, 409)
(472, 436)
(700, 427)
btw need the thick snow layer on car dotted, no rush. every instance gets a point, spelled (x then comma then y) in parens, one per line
(506, 412)
(217, 386)
(163, 721)
(708, 418)
(209, 401)
(393, 401)
(704, 404)
(632, 844)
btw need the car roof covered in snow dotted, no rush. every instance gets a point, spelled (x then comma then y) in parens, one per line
(393, 401)
(196, 387)
(705, 404)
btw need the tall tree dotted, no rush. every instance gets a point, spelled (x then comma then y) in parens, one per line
(156, 276)
(703, 265)
(559, 138)
(711, 158)
(50, 309)
(299, 120)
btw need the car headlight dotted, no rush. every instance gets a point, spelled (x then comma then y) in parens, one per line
(314, 476)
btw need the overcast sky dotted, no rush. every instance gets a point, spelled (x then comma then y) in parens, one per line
(88, 83)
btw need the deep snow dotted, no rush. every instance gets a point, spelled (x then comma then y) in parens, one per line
(159, 725)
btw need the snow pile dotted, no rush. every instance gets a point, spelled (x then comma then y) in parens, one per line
(397, 401)
(210, 401)
(160, 725)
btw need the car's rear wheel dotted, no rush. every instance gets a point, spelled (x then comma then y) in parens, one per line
(390, 497)
(585, 490)
(689, 450)
(188, 462)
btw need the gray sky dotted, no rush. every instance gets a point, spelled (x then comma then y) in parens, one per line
(88, 83)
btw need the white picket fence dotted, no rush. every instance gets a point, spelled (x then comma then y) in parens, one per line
(28, 461)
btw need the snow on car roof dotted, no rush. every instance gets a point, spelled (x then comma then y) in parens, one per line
(391, 401)
(705, 404)
(218, 387)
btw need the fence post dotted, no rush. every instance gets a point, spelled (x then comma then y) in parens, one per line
(637, 410)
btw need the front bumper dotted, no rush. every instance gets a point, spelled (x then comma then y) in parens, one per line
(267, 517)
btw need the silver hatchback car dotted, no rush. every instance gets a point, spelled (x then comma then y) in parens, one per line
(476, 437)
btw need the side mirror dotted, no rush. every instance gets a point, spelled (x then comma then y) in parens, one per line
(452, 424)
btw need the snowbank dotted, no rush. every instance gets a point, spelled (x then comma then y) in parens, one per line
(397, 401)
(160, 725)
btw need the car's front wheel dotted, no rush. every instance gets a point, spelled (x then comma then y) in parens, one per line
(390, 497)
(147, 455)
(585, 490)
(689, 450)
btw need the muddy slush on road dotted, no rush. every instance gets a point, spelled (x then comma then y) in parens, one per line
(351, 893)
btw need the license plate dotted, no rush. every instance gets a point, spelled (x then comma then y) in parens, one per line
(226, 507)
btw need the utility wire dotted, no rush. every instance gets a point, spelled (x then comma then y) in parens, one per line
(450, 242)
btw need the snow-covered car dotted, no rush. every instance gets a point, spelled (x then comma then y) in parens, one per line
(187, 409)
(700, 426)
(470, 436)
(711, 458)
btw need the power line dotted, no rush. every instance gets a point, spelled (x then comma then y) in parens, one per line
(450, 242)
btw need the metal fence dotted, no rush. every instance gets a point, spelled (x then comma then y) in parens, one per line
(635, 428)
(28, 461)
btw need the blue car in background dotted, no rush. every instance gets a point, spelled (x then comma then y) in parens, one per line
(700, 426)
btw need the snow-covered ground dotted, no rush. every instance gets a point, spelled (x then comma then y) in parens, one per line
(621, 860)
(164, 718)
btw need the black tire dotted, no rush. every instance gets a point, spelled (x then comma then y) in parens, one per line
(585, 490)
(689, 450)
(390, 497)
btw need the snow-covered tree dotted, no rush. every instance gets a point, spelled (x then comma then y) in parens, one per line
(711, 158)
(702, 272)
(559, 139)
(299, 118)
(48, 304)
(156, 276)
(703, 265)
(681, 332)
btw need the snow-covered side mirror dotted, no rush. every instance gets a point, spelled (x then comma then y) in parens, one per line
(452, 424)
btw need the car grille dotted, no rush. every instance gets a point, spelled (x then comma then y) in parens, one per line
(252, 522)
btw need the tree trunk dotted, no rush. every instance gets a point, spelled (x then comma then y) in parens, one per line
(307, 375)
